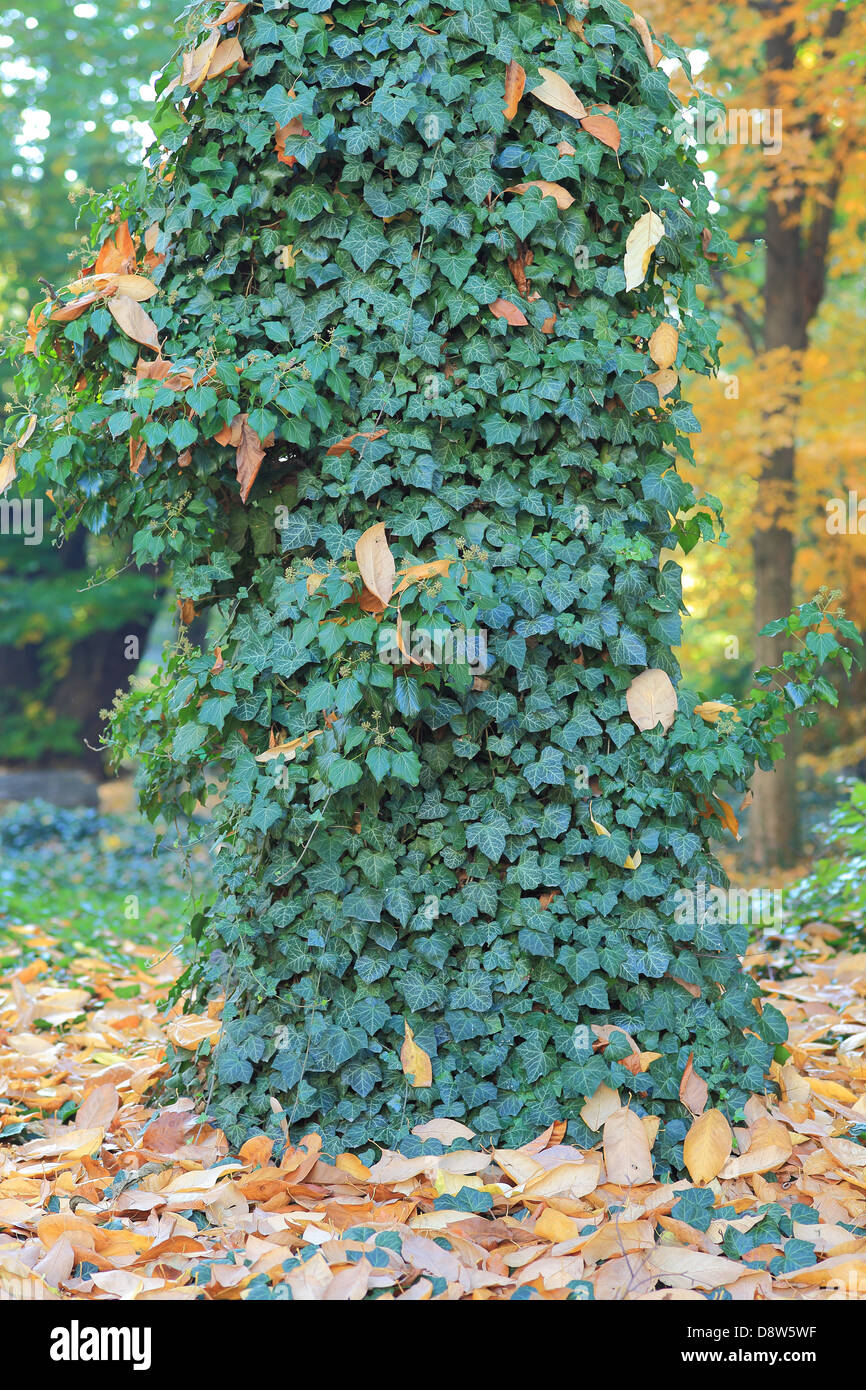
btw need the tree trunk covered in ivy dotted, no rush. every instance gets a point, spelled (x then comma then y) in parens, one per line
(388, 343)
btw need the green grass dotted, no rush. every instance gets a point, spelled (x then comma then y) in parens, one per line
(91, 882)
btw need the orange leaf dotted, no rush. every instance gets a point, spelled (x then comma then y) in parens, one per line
(294, 127)
(251, 451)
(416, 1064)
(137, 451)
(225, 56)
(517, 265)
(196, 64)
(604, 129)
(343, 446)
(73, 310)
(727, 817)
(504, 309)
(560, 195)
(515, 81)
(117, 254)
(35, 322)
(693, 1088)
(230, 13)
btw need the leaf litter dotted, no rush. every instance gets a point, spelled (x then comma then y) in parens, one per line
(103, 1196)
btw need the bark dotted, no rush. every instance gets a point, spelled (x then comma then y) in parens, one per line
(795, 279)
(774, 830)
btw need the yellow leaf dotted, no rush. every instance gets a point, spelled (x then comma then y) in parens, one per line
(642, 240)
(190, 1031)
(711, 709)
(554, 91)
(8, 471)
(415, 1062)
(349, 1163)
(627, 1157)
(651, 1122)
(634, 860)
(831, 1090)
(707, 1146)
(664, 380)
(663, 345)
(288, 750)
(596, 825)
(452, 1183)
(603, 1102)
(555, 1226)
(652, 700)
(413, 574)
(376, 563)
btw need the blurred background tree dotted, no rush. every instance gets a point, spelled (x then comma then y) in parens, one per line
(782, 428)
(75, 86)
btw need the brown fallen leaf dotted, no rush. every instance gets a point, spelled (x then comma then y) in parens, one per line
(293, 127)
(250, 450)
(134, 321)
(627, 1157)
(67, 313)
(225, 55)
(707, 1146)
(196, 63)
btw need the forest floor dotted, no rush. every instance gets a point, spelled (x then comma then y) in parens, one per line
(102, 1197)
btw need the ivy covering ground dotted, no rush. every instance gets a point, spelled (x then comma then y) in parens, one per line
(419, 284)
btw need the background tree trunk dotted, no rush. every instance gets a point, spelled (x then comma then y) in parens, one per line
(774, 827)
